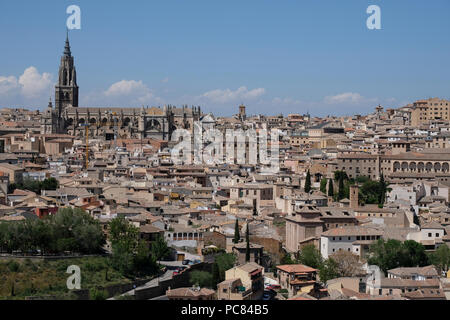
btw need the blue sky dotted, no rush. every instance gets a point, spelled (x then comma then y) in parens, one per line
(287, 56)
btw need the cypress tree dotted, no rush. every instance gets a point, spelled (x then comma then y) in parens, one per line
(383, 190)
(215, 276)
(308, 182)
(323, 185)
(330, 188)
(237, 236)
(247, 249)
(341, 193)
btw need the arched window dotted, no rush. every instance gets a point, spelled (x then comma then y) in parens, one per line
(65, 77)
(437, 167)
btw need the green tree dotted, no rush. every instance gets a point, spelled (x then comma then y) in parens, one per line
(144, 263)
(330, 188)
(341, 191)
(124, 232)
(310, 256)
(247, 239)
(372, 192)
(413, 254)
(35, 186)
(383, 190)
(328, 270)
(130, 256)
(98, 294)
(122, 259)
(202, 279)
(308, 182)
(237, 236)
(215, 276)
(287, 259)
(224, 262)
(385, 254)
(49, 184)
(68, 230)
(323, 185)
(441, 258)
(89, 237)
(160, 249)
(338, 175)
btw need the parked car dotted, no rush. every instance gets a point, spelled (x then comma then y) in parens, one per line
(274, 287)
(186, 262)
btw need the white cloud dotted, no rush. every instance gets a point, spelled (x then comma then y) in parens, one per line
(124, 93)
(8, 85)
(33, 84)
(127, 88)
(347, 97)
(165, 80)
(31, 88)
(227, 95)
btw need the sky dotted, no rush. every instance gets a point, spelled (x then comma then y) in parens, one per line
(275, 57)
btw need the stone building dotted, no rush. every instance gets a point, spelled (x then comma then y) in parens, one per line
(408, 164)
(424, 111)
(105, 122)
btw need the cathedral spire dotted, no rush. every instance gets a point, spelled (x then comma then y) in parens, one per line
(67, 52)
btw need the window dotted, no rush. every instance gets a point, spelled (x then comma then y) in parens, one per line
(437, 235)
(429, 235)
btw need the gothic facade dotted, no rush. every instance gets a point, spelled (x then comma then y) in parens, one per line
(109, 123)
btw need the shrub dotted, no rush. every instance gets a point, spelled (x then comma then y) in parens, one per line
(13, 266)
(98, 294)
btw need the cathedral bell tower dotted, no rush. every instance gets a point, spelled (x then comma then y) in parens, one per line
(66, 91)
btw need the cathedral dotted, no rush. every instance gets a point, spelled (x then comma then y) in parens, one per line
(109, 123)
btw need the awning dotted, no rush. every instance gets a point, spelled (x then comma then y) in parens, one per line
(255, 272)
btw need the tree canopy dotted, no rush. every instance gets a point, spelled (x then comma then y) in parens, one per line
(441, 258)
(393, 253)
(310, 256)
(308, 182)
(130, 255)
(69, 229)
(35, 186)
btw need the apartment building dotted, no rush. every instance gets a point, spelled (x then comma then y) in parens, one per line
(424, 111)
(251, 276)
(354, 239)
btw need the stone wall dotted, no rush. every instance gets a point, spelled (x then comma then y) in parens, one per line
(178, 281)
